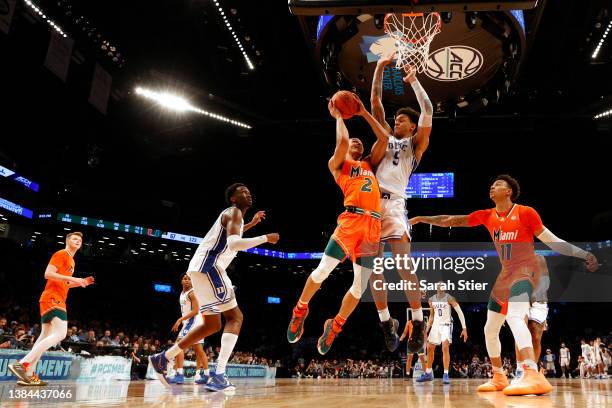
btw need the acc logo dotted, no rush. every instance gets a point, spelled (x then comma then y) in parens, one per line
(454, 63)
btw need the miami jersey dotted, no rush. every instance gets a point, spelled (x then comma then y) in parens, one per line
(64, 263)
(359, 186)
(397, 166)
(213, 251)
(441, 309)
(511, 231)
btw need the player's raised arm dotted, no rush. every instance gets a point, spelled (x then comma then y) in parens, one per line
(453, 302)
(442, 220)
(378, 110)
(257, 218)
(382, 136)
(421, 139)
(342, 142)
(565, 248)
(235, 242)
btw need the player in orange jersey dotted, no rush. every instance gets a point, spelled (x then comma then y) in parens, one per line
(512, 228)
(53, 313)
(358, 233)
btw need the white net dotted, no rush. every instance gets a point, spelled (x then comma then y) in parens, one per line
(413, 34)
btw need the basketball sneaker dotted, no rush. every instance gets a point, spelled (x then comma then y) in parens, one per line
(416, 340)
(330, 331)
(497, 383)
(202, 379)
(219, 382)
(532, 382)
(296, 325)
(177, 379)
(445, 379)
(389, 329)
(33, 382)
(20, 371)
(425, 377)
(160, 364)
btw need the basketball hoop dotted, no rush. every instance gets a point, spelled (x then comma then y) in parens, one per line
(413, 33)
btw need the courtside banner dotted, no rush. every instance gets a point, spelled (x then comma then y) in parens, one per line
(104, 368)
(232, 371)
(52, 366)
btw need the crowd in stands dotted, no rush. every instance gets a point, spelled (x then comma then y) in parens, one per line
(97, 341)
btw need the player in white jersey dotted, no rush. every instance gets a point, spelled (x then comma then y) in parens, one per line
(598, 358)
(440, 328)
(212, 286)
(564, 361)
(587, 358)
(536, 317)
(190, 319)
(404, 151)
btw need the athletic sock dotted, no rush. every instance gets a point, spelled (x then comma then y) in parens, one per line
(179, 371)
(384, 314)
(417, 314)
(428, 370)
(446, 372)
(301, 306)
(338, 322)
(530, 364)
(206, 372)
(172, 352)
(519, 366)
(228, 341)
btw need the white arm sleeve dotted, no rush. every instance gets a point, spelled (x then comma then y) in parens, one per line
(236, 243)
(460, 314)
(560, 246)
(424, 103)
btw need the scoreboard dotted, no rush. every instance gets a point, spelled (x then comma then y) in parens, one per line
(110, 225)
(431, 185)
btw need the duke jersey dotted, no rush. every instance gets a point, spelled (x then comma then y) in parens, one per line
(564, 353)
(586, 351)
(397, 166)
(213, 251)
(441, 309)
(185, 302)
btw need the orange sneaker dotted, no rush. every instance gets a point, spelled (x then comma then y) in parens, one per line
(533, 382)
(296, 325)
(497, 383)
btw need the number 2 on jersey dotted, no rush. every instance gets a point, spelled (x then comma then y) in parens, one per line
(367, 186)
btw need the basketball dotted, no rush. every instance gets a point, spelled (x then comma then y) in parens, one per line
(347, 103)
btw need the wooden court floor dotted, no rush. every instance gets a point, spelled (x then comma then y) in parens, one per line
(312, 393)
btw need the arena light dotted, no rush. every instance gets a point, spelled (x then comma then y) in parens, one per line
(50, 22)
(603, 114)
(603, 39)
(236, 39)
(179, 104)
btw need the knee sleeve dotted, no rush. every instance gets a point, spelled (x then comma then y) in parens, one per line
(326, 266)
(516, 320)
(491, 331)
(361, 276)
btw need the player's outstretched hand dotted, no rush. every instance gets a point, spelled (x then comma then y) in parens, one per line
(258, 217)
(81, 282)
(386, 59)
(176, 325)
(415, 220)
(591, 263)
(89, 280)
(464, 335)
(410, 73)
(273, 238)
(333, 111)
